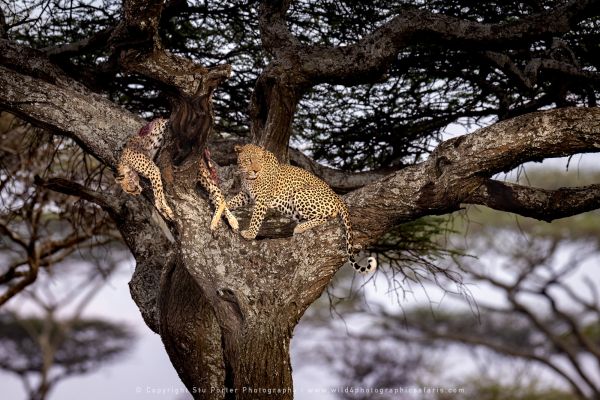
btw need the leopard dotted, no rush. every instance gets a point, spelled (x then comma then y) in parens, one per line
(293, 191)
(137, 159)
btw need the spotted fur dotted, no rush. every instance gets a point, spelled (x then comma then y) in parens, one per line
(292, 191)
(137, 158)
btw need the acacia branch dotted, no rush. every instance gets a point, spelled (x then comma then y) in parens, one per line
(108, 202)
(370, 57)
(458, 168)
(274, 32)
(542, 204)
(39, 92)
(137, 46)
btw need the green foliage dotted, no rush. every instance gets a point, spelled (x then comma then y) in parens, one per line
(418, 243)
(415, 251)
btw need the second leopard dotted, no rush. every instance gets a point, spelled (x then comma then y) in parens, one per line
(292, 191)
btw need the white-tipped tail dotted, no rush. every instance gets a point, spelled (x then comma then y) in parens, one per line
(371, 261)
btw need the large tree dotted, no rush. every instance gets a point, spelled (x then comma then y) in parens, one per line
(366, 87)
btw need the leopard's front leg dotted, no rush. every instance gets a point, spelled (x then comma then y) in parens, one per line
(143, 165)
(218, 200)
(239, 200)
(220, 208)
(258, 215)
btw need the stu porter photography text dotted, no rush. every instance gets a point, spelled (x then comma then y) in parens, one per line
(417, 390)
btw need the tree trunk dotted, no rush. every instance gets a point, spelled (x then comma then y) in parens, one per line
(251, 362)
(258, 361)
(225, 324)
(41, 391)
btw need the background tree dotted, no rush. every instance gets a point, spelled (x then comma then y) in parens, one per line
(43, 352)
(48, 338)
(373, 85)
(42, 228)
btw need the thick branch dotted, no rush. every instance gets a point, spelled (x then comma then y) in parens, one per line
(367, 59)
(139, 23)
(458, 168)
(274, 32)
(542, 204)
(137, 45)
(192, 116)
(278, 90)
(39, 92)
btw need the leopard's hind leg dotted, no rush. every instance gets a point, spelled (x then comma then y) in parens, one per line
(305, 206)
(304, 226)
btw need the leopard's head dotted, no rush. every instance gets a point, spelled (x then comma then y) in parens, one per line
(250, 160)
(129, 180)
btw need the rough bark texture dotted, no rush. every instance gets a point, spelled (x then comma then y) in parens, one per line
(226, 307)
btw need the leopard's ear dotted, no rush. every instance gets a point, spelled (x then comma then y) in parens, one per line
(237, 148)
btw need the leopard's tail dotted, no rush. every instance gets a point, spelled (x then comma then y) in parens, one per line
(371, 261)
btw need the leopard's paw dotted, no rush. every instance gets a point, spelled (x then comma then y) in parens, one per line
(233, 222)
(298, 230)
(214, 224)
(246, 234)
